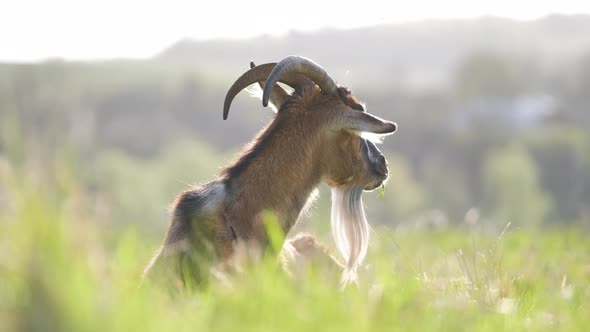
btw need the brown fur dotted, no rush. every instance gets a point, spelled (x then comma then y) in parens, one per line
(277, 172)
(304, 252)
(289, 159)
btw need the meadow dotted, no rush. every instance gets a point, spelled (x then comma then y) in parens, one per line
(62, 269)
(482, 226)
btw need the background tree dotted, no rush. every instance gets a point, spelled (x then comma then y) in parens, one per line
(513, 190)
(489, 74)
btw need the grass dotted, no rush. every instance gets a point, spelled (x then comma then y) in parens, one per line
(63, 270)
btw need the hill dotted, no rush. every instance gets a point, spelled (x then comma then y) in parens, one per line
(412, 53)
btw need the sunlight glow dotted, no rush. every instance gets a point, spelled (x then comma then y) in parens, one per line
(81, 29)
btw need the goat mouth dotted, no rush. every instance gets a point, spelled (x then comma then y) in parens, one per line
(378, 180)
(374, 185)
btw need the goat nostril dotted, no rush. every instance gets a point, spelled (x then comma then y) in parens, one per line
(381, 170)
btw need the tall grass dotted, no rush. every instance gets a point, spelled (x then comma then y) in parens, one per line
(62, 269)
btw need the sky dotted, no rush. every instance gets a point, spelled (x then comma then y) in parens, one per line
(33, 30)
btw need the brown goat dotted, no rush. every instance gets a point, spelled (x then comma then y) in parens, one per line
(316, 136)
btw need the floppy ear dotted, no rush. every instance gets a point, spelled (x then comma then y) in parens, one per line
(364, 122)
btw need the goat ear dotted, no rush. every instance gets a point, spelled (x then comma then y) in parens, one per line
(365, 122)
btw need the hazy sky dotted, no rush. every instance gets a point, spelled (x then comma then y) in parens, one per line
(80, 29)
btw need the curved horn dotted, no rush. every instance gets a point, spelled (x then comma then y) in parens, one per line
(301, 65)
(278, 95)
(254, 75)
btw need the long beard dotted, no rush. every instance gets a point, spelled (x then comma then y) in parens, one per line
(349, 228)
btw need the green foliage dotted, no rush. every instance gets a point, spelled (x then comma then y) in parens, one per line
(513, 190)
(274, 231)
(490, 74)
(76, 233)
(404, 196)
(62, 270)
(382, 193)
(124, 116)
(11, 137)
(56, 274)
(563, 159)
(139, 190)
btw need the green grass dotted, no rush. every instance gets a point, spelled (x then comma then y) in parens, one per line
(62, 269)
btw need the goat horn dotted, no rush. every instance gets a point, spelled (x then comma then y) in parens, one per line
(301, 65)
(278, 95)
(254, 75)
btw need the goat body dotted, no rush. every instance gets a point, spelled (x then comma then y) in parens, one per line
(314, 138)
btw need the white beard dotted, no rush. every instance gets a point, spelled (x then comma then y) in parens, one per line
(350, 228)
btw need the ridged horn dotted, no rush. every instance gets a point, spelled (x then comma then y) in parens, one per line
(254, 75)
(300, 65)
(278, 95)
(259, 74)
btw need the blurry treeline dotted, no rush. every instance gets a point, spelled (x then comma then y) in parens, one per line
(493, 118)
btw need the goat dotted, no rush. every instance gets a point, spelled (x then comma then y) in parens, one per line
(317, 136)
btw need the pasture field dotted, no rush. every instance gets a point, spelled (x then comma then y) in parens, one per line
(483, 224)
(61, 269)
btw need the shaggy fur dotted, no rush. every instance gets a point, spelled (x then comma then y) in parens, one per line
(350, 228)
(277, 172)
